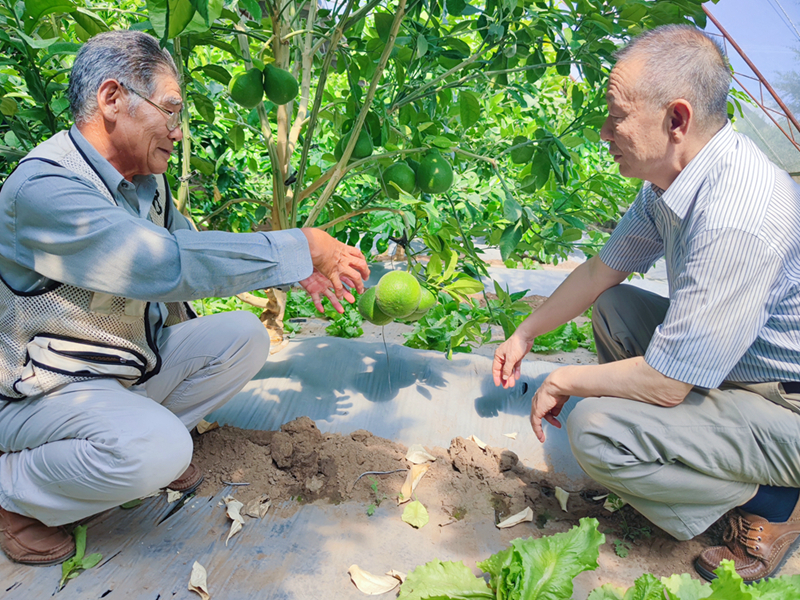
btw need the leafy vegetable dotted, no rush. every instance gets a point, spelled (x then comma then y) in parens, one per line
(73, 567)
(566, 338)
(543, 569)
(444, 580)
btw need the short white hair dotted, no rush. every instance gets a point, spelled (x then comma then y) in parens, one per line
(682, 62)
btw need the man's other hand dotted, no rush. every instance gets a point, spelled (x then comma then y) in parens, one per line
(506, 367)
(317, 285)
(546, 404)
(339, 263)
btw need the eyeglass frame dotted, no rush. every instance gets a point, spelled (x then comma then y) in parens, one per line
(172, 116)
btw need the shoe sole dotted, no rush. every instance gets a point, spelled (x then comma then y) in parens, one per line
(45, 563)
(709, 576)
(192, 487)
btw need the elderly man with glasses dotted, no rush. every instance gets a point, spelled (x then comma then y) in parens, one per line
(104, 368)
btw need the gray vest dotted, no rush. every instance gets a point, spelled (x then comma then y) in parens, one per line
(62, 333)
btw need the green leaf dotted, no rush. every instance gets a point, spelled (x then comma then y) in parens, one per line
(206, 167)
(729, 584)
(777, 588)
(383, 25)
(607, 591)
(80, 542)
(512, 211)
(510, 239)
(131, 504)
(217, 73)
(170, 17)
(34, 43)
(646, 587)
(455, 7)
(36, 9)
(198, 24)
(434, 268)
(8, 106)
(204, 107)
(91, 561)
(469, 108)
(442, 142)
(544, 568)
(465, 285)
(236, 136)
(253, 8)
(89, 22)
(422, 45)
(444, 580)
(201, 6)
(591, 135)
(415, 514)
(685, 587)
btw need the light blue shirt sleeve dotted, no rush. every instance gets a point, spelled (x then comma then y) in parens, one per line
(635, 245)
(60, 226)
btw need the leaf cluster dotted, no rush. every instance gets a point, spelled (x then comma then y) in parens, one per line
(72, 567)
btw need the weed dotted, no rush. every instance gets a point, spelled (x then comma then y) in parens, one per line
(542, 519)
(74, 566)
(621, 548)
(378, 497)
(459, 512)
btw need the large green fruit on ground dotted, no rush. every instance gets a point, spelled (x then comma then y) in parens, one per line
(426, 302)
(246, 88)
(520, 156)
(368, 308)
(362, 149)
(435, 175)
(400, 174)
(398, 294)
(280, 86)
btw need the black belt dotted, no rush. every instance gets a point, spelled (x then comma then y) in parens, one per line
(791, 387)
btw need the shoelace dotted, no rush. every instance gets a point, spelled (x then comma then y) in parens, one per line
(747, 534)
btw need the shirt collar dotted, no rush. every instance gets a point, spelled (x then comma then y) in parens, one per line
(104, 169)
(680, 196)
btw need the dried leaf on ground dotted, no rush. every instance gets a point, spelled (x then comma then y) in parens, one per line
(521, 517)
(370, 583)
(173, 496)
(258, 507)
(203, 426)
(397, 575)
(418, 455)
(562, 496)
(480, 444)
(513, 436)
(197, 581)
(234, 508)
(415, 473)
(416, 514)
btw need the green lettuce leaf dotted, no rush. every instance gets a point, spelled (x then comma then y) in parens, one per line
(543, 569)
(684, 587)
(607, 591)
(444, 581)
(779, 588)
(646, 587)
(729, 585)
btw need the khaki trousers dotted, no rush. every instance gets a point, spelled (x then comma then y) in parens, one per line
(681, 467)
(94, 445)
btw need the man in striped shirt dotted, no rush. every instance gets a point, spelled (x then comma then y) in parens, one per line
(695, 407)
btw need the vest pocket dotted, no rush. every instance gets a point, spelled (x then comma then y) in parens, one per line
(78, 360)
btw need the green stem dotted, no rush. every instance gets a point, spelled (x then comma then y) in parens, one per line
(184, 205)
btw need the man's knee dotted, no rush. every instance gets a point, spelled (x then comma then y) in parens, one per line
(152, 454)
(247, 338)
(590, 430)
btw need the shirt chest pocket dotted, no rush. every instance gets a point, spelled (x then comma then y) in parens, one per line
(127, 310)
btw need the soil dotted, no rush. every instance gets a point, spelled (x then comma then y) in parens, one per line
(465, 483)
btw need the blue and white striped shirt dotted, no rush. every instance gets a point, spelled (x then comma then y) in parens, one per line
(729, 229)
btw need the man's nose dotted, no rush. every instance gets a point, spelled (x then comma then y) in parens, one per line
(605, 131)
(176, 135)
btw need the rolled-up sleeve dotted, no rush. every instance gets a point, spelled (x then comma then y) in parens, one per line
(65, 229)
(719, 304)
(635, 245)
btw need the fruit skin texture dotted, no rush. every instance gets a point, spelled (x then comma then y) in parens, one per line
(398, 294)
(362, 149)
(435, 175)
(370, 310)
(280, 86)
(426, 302)
(520, 156)
(246, 88)
(401, 174)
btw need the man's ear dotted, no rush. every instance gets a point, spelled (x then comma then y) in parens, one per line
(109, 99)
(680, 116)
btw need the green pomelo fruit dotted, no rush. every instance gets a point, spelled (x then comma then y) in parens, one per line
(520, 156)
(280, 86)
(400, 174)
(370, 310)
(427, 301)
(435, 175)
(362, 149)
(246, 88)
(398, 294)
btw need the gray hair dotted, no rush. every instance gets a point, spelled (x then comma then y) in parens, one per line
(680, 61)
(132, 57)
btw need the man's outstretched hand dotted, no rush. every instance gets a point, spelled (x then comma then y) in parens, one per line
(336, 265)
(507, 365)
(546, 405)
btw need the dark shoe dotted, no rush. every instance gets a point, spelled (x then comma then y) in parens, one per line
(31, 542)
(188, 482)
(757, 547)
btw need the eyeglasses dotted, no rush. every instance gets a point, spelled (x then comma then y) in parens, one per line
(173, 118)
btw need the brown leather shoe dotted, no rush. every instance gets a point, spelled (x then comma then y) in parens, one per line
(188, 482)
(757, 547)
(31, 542)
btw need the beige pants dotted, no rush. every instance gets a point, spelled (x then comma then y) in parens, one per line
(90, 446)
(681, 467)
